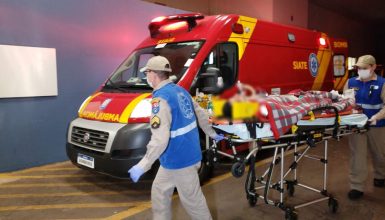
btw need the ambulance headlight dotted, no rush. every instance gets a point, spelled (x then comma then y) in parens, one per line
(142, 109)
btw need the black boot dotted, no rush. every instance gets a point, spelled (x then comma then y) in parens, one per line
(355, 194)
(379, 182)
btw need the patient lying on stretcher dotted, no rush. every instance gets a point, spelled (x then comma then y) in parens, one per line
(282, 111)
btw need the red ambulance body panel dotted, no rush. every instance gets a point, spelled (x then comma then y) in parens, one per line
(112, 130)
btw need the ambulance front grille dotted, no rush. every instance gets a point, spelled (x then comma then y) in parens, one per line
(89, 137)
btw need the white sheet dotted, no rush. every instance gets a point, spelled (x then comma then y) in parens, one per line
(241, 129)
(353, 119)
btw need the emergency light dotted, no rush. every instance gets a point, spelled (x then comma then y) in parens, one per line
(237, 28)
(170, 23)
(322, 41)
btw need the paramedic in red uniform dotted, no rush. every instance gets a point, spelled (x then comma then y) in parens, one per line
(370, 95)
(175, 142)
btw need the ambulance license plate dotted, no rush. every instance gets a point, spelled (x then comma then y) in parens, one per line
(86, 161)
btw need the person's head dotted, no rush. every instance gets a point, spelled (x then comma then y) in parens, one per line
(365, 67)
(156, 70)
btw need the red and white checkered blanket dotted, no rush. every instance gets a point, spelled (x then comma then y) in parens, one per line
(286, 110)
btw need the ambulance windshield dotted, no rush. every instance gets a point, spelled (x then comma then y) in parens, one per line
(127, 76)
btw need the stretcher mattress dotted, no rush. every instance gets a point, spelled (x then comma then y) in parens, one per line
(264, 130)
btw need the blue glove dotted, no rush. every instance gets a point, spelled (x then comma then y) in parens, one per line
(219, 137)
(135, 173)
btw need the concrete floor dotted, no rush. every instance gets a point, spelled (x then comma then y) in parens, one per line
(62, 191)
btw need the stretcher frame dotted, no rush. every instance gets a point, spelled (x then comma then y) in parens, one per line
(309, 136)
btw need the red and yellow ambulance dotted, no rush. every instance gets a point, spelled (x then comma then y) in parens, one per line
(112, 130)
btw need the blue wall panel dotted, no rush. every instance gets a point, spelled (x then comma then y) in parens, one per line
(91, 38)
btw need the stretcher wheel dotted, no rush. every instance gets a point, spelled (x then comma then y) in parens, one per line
(238, 169)
(333, 205)
(252, 200)
(290, 189)
(290, 214)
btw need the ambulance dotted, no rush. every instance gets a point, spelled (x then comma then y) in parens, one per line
(210, 54)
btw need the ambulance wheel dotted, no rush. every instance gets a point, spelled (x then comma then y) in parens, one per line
(252, 200)
(238, 169)
(333, 205)
(290, 214)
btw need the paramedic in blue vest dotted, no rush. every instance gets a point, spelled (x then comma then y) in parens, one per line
(175, 142)
(370, 95)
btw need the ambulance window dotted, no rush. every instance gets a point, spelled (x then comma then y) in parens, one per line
(143, 58)
(125, 69)
(228, 60)
(127, 77)
(224, 56)
(339, 65)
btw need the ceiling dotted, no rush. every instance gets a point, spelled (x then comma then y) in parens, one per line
(371, 11)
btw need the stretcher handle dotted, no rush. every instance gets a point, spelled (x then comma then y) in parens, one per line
(336, 119)
(225, 133)
(220, 131)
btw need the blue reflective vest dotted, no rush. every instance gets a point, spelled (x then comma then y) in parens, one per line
(368, 96)
(183, 148)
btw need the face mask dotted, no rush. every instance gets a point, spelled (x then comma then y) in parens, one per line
(149, 83)
(364, 74)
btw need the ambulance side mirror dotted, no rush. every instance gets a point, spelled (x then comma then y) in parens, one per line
(210, 81)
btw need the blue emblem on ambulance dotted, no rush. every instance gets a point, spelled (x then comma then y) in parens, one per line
(313, 64)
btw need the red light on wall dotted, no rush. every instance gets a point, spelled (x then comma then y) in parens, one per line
(322, 41)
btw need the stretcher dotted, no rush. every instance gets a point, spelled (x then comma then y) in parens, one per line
(305, 133)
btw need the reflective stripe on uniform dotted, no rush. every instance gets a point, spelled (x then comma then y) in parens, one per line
(184, 130)
(368, 106)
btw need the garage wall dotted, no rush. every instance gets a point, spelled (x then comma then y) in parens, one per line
(361, 38)
(201, 6)
(252, 8)
(91, 38)
(292, 12)
(380, 44)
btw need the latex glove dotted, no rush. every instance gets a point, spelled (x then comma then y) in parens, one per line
(373, 120)
(135, 173)
(219, 137)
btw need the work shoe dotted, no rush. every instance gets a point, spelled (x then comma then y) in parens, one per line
(355, 194)
(379, 182)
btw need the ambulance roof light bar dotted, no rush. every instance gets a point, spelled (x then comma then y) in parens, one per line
(158, 22)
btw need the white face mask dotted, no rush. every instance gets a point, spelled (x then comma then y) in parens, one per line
(149, 82)
(364, 74)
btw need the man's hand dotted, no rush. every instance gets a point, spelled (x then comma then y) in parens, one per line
(135, 173)
(219, 137)
(373, 120)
